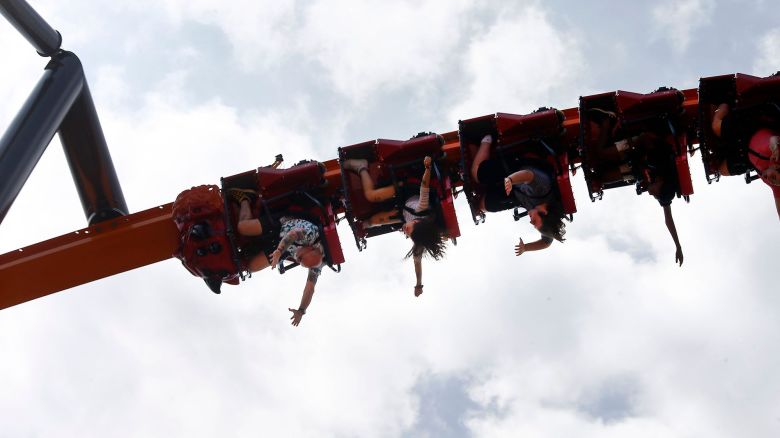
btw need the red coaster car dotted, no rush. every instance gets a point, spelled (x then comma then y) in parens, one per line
(753, 102)
(537, 138)
(205, 248)
(210, 246)
(400, 164)
(610, 118)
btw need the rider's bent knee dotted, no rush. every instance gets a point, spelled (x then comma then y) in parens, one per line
(250, 227)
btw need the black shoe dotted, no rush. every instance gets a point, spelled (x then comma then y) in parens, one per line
(214, 284)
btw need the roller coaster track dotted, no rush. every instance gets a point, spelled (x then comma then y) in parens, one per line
(148, 237)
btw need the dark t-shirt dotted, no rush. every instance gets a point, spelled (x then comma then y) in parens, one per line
(491, 174)
(727, 130)
(731, 153)
(661, 165)
(535, 192)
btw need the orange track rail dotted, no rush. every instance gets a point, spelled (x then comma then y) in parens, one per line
(86, 255)
(146, 237)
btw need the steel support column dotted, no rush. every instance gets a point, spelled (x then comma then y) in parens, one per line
(90, 161)
(36, 123)
(35, 29)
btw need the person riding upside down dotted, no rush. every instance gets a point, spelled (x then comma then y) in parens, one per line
(648, 151)
(525, 185)
(298, 239)
(419, 221)
(763, 153)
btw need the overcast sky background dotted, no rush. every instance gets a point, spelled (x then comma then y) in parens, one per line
(602, 336)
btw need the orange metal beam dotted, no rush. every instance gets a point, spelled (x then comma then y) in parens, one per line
(147, 237)
(86, 255)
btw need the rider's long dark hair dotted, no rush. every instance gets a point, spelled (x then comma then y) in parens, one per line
(428, 239)
(552, 222)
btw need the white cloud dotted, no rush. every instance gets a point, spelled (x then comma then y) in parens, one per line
(768, 61)
(259, 31)
(366, 47)
(521, 62)
(363, 47)
(170, 138)
(676, 21)
(541, 342)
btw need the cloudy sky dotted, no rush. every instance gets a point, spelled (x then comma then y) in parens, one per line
(602, 336)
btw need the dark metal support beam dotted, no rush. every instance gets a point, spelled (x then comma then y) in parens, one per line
(90, 161)
(35, 29)
(36, 123)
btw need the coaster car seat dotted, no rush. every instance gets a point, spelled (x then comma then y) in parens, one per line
(660, 113)
(297, 192)
(753, 103)
(210, 246)
(536, 136)
(204, 246)
(397, 163)
(752, 91)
